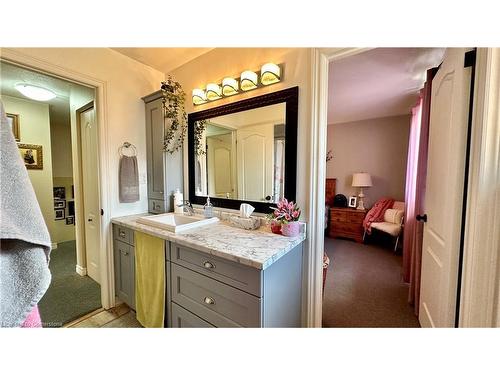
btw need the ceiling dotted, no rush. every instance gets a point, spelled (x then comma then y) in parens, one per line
(378, 83)
(163, 59)
(58, 107)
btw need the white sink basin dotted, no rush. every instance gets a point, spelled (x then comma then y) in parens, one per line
(176, 222)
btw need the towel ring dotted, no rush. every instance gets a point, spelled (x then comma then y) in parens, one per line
(128, 146)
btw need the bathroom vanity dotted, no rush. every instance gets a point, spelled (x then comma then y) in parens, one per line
(219, 275)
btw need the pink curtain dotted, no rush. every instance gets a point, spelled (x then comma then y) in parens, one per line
(416, 172)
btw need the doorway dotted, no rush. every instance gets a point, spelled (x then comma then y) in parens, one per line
(50, 125)
(357, 274)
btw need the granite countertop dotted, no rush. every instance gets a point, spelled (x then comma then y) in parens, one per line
(255, 248)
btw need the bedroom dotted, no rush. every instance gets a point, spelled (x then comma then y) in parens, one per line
(370, 103)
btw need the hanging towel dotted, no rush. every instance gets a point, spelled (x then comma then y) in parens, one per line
(376, 213)
(129, 179)
(24, 238)
(149, 280)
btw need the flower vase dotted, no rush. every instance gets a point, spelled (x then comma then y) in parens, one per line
(276, 227)
(290, 229)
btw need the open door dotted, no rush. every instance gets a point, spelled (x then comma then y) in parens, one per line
(89, 162)
(444, 192)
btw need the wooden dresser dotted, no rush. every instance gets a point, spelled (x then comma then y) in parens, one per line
(347, 222)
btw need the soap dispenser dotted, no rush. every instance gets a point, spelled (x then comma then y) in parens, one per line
(178, 201)
(208, 208)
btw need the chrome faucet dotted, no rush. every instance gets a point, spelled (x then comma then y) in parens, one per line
(188, 208)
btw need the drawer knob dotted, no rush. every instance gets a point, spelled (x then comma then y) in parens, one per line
(209, 301)
(208, 264)
(121, 234)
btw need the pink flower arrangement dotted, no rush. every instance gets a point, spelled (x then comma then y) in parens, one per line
(285, 212)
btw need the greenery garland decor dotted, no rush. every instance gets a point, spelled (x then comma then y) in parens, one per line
(199, 131)
(173, 101)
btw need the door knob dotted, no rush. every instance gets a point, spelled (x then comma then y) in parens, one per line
(89, 219)
(422, 218)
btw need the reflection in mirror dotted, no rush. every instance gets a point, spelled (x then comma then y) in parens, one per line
(242, 155)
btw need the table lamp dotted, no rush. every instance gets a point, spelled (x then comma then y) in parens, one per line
(361, 180)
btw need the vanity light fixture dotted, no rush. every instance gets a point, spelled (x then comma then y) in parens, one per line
(199, 96)
(35, 92)
(270, 73)
(214, 91)
(248, 80)
(229, 86)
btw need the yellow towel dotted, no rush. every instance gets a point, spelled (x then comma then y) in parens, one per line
(149, 280)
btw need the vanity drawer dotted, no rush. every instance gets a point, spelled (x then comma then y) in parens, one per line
(123, 234)
(232, 273)
(181, 318)
(217, 303)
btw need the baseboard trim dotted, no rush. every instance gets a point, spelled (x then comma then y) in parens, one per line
(82, 271)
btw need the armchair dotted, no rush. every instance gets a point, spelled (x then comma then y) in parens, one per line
(393, 222)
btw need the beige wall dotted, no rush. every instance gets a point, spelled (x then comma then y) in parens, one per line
(223, 62)
(377, 146)
(60, 135)
(62, 170)
(34, 125)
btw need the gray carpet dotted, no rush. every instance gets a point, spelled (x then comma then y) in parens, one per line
(364, 288)
(70, 295)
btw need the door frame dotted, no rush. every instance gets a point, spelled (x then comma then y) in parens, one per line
(100, 100)
(320, 59)
(480, 293)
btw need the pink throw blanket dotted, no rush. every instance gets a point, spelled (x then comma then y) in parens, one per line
(33, 320)
(376, 213)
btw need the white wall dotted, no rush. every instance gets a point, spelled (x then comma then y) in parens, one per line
(125, 81)
(377, 146)
(34, 124)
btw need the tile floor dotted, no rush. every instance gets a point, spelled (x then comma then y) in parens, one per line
(118, 317)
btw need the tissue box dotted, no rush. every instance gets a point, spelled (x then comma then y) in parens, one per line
(245, 223)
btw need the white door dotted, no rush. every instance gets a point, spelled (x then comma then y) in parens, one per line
(444, 190)
(90, 190)
(255, 148)
(220, 166)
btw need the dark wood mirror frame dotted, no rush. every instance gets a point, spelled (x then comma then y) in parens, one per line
(291, 98)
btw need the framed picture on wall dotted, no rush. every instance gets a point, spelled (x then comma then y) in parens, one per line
(59, 214)
(59, 203)
(13, 121)
(70, 220)
(353, 200)
(32, 155)
(59, 192)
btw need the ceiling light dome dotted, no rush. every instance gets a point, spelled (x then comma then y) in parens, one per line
(35, 92)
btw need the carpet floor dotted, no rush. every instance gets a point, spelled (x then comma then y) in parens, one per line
(364, 287)
(70, 295)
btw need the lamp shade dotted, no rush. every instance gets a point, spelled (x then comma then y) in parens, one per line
(361, 179)
(199, 96)
(248, 80)
(213, 91)
(270, 73)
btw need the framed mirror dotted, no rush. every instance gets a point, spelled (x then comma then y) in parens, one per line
(245, 152)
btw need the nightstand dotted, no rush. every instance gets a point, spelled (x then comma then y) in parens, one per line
(347, 222)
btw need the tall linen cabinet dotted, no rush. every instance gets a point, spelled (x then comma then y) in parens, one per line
(165, 170)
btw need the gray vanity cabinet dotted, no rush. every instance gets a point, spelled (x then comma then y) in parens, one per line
(164, 170)
(124, 263)
(210, 291)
